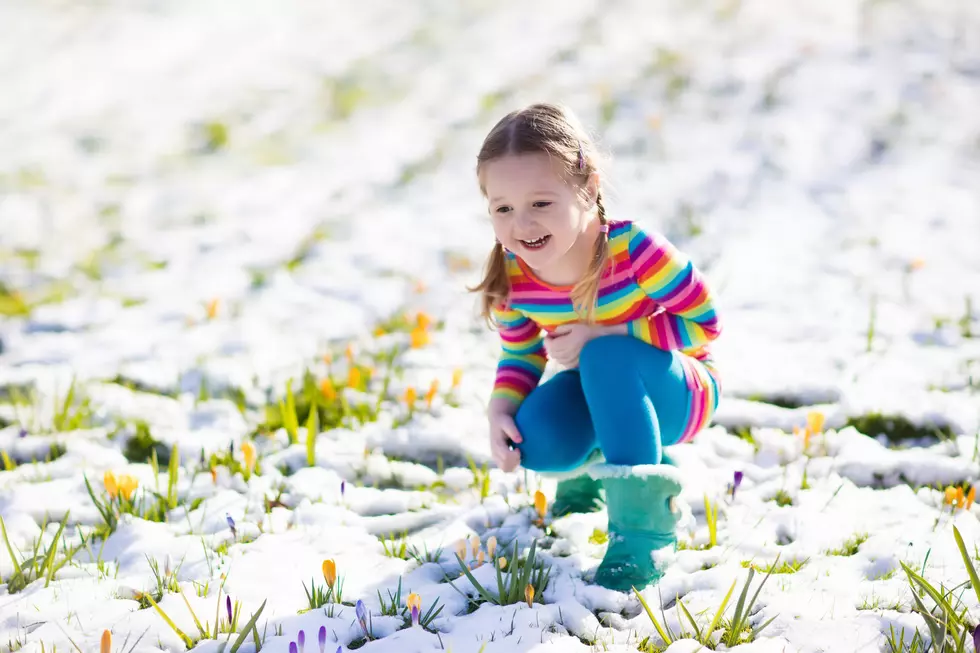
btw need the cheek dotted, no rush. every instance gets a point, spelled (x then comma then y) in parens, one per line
(501, 227)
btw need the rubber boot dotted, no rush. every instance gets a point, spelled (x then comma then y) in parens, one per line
(643, 515)
(580, 494)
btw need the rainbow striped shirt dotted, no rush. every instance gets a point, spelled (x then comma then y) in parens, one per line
(650, 285)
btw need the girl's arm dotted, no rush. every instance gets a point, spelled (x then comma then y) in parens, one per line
(668, 276)
(522, 360)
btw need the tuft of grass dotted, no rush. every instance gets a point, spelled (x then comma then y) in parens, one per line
(782, 498)
(512, 585)
(734, 631)
(395, 546)
(711, 515)
(851, 545)
(481, 478)
(41, 564)
(950, 626)
(897, 428)
(222, 625)
(786, 567)
(70, 413)
(424, 555)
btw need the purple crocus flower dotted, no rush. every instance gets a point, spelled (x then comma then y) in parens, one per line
(292, 647)
(231, 525)
(343, 486)
(322, 638)
(228, 607)
(301, 640)
(976, 639)
(361, 613)
(340, 649)
(736, 481)
(22, 433)
(415, 615)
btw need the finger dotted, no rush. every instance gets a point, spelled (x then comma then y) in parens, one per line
(562, 329)
(511, 431)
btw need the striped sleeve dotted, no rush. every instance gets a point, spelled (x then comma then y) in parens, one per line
(523, 357)
(668, 276)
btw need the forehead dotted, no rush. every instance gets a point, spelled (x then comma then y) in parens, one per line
(520, 174)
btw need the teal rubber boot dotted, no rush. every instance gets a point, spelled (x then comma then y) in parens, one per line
(580, 494)
(643, 515)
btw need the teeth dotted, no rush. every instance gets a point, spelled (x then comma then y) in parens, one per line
(536, 241)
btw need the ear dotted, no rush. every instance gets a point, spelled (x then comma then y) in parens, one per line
(591, 189)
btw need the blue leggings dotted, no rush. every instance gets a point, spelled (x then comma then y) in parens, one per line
(627, 399)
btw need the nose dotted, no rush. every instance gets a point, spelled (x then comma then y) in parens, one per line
(523, 220)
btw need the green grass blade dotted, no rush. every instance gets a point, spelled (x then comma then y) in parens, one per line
(476, 584)
(173, 472)
(312, 426)
(934, 594)
(102, 508)
(170, 622)
(970, 569)
(249, 627)
(938, 635)
(760, 628)
(656, 624)
(17, 568)
(197, 622)
(289, 418)
(49, 558)
(694, 624)
(739, 617)
(721, 611)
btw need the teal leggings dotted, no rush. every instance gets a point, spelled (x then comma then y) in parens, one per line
(627, 398)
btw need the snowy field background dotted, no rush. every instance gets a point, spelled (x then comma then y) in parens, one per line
(204, 203)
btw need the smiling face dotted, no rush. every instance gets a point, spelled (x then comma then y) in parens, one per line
(539, 215)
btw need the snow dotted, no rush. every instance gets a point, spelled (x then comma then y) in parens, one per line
(205, 198)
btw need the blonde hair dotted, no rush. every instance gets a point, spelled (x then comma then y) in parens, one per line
(554, 130)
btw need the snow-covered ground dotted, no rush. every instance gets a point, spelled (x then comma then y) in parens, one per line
(199, 200)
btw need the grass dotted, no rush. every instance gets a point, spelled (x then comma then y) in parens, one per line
(227, 626)
(948, 620)
(733, 631)
(525, 579)
(782, 498)
(850, 546)
(896, 427)
(41, 564)
(785, 567)
(711, 515)
(72, 412)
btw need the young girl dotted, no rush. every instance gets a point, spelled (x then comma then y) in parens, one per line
(624, 312)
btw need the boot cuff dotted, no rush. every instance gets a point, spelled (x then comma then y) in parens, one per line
(605, 470)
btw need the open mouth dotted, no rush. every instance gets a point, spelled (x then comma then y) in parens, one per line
(536, 243)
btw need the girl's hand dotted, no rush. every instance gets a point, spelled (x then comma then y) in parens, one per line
(566, 342)
(503, 431)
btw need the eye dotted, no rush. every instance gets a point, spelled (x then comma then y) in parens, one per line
(541, 204)
(502, 209)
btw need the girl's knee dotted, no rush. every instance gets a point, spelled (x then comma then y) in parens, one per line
(616, 353)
